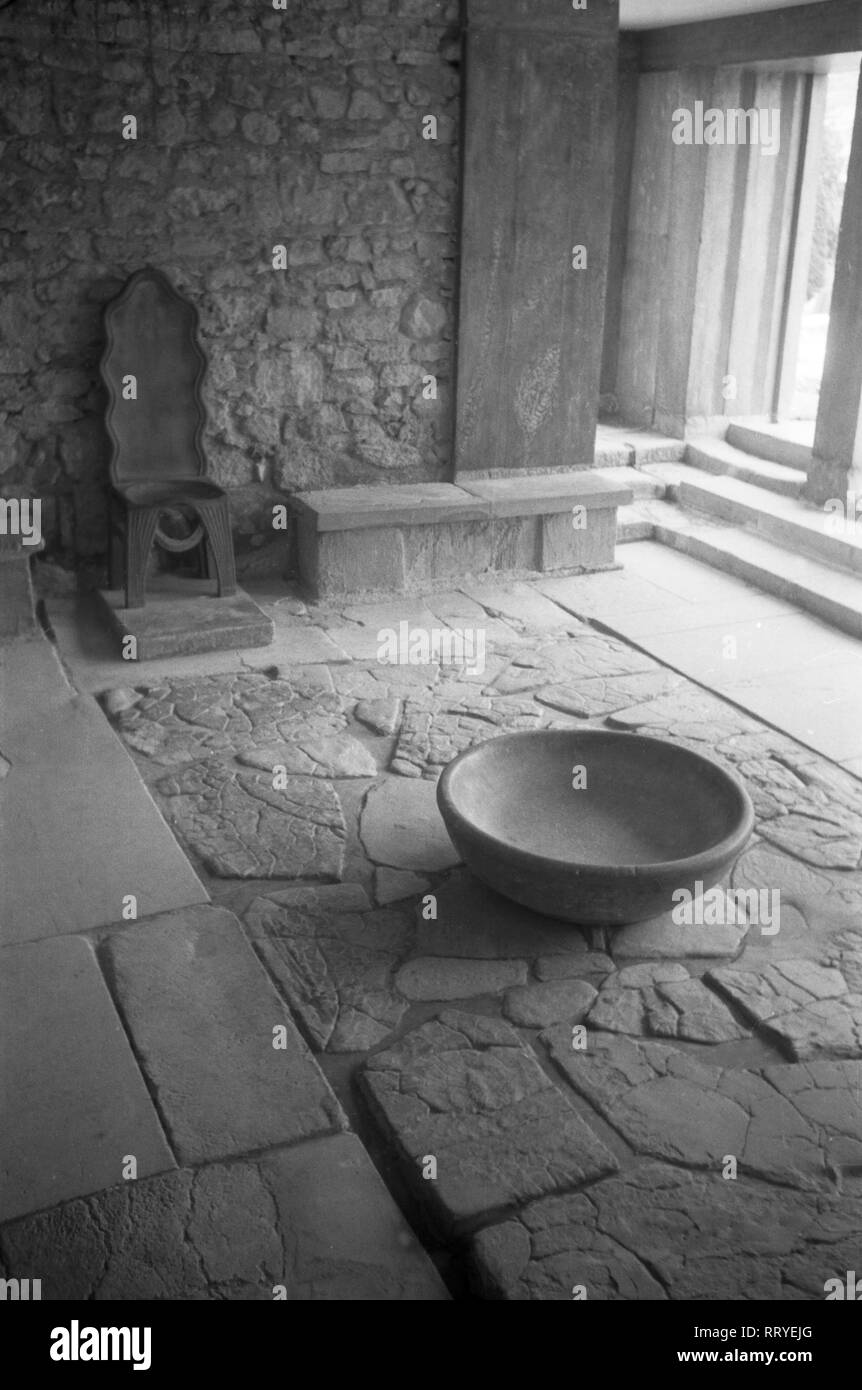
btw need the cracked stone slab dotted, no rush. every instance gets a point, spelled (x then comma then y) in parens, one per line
(662, 1000)
(809, 1008)
(464, 1089)
(355, 682)
(380, 716)
(584, 654)
(803, 805)
(436, 977)
(475, 922)
(588, 699)
(201, 1013)
(821, 896)
(402, 828)
(552, 1001)
(434, 731)
(521, 604)
(334, 959)
(74, 1101)
(661, 938)
(662, 1233)
(571, 965)
(314, 1220)
(240, 826)
(185, 719)
(326, 755)
(670, 1105)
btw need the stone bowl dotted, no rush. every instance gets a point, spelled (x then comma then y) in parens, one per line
(652, 818)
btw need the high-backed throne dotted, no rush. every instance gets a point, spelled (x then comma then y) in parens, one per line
(153, 367)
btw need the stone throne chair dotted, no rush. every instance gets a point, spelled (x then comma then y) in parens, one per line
(153, 367)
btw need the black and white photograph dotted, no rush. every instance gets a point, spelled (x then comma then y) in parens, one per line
(431, 667)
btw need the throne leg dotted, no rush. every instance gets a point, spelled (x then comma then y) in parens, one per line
(215, 519)
(141, 525)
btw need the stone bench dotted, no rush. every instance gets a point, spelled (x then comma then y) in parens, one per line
(398, 538)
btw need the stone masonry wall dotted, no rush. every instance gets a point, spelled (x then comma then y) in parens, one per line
(257, 126)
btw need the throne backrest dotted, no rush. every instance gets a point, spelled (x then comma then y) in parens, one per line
(153, 367)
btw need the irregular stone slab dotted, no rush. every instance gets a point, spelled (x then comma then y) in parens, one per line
(402, 828)
(553, 1247)
(381, 716)
(393, 885)
(603, 695)
(522, 604)
(201, 1013)
(828, 1094)
(241, 827)
(670, 1105)
(466, 1091)
(689, 712)
(361, 681)
(334, 960)
(327, 755)
(659, 1232)
(435, 731)
(664, 939)
(822, 896)
(805, 806)
(434, 977)
(573, 965)
(314, 1220)
(557, 1001)
(583, 654)
(74, 1101)
(662, 1000)
(807, 1008)
(180, 720)
(475, 922)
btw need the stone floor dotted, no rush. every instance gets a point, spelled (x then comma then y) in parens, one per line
(655, 1112)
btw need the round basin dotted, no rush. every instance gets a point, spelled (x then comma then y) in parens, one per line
(649, 817)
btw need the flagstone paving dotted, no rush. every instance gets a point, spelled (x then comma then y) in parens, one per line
(560, 1105)
(311, 1222)
(660, 1232)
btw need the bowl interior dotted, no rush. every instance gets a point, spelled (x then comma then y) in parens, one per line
(645, 801)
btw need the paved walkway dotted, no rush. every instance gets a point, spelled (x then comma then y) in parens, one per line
(704, 1143)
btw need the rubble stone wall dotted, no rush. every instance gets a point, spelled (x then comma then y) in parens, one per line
(299, 125)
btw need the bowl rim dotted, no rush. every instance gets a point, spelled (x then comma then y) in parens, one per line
(687, 867)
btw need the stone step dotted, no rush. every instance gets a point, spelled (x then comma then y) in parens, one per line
(829, 593)
(642, 482)
(788, 444)
(785, 520)
(396, 539)
(720, 457)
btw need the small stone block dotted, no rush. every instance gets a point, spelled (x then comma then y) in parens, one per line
(181, 616)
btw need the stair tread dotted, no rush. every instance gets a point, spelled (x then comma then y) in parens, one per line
(728, 457)
(789, 443)
(830, 580)
(765, 508)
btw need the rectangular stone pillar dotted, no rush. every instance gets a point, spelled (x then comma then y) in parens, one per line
(837, 462)
(538, 182)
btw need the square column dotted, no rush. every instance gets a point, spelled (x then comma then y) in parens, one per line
(538, 182)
